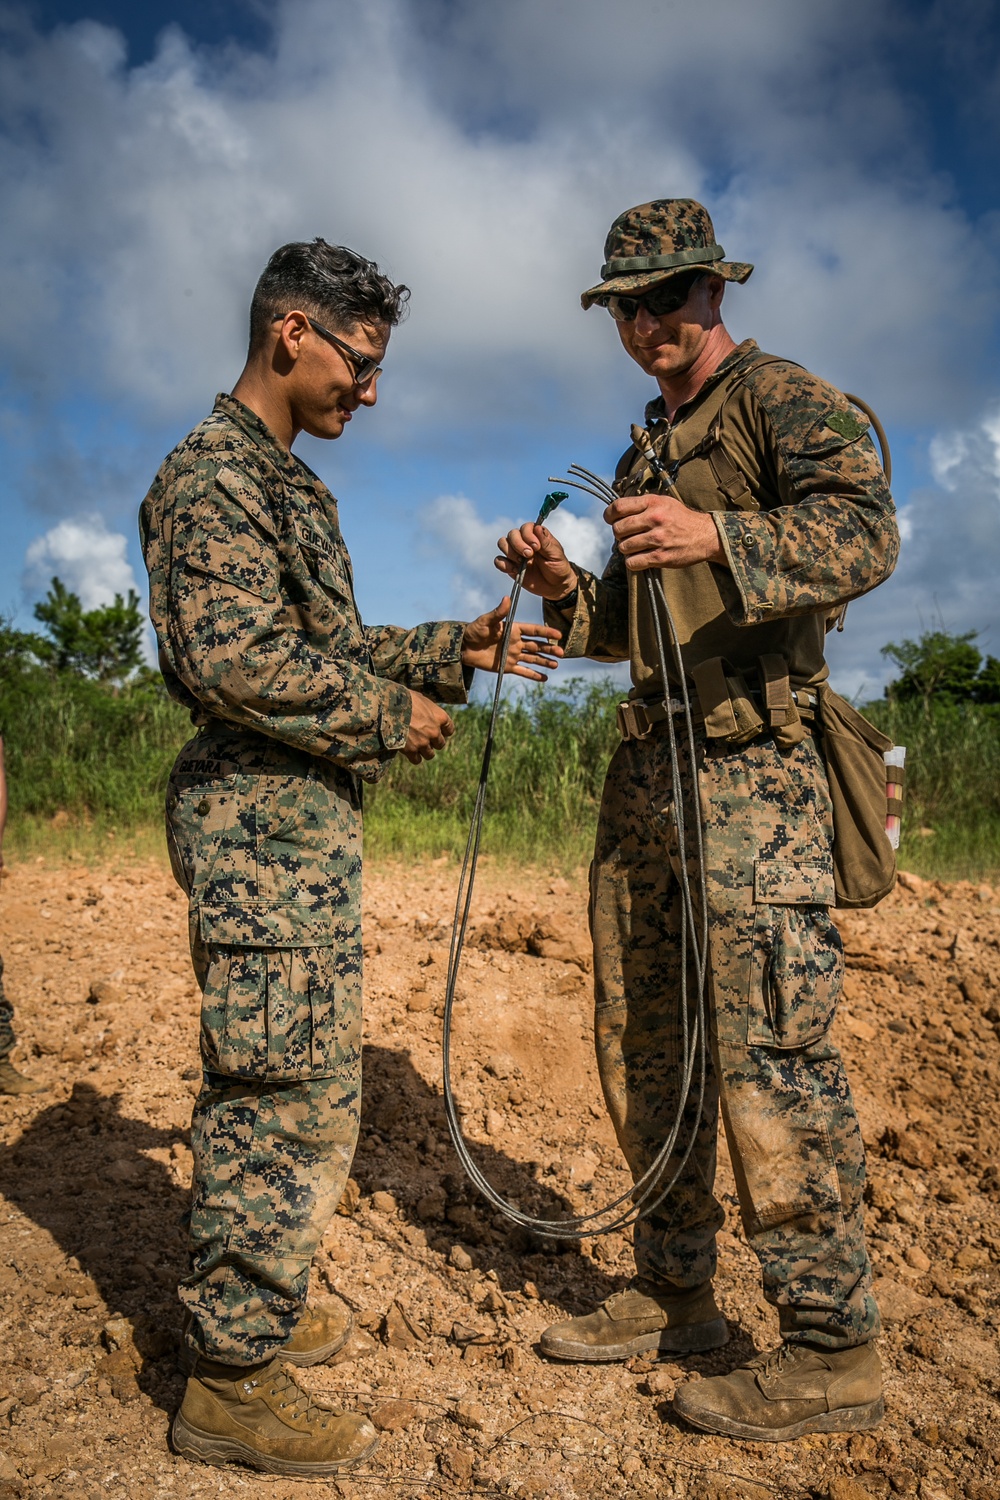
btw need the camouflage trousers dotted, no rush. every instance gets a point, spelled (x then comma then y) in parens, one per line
(266, 842)
(8, 1041)
(776, 971)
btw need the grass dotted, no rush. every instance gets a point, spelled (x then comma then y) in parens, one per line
(87, 772)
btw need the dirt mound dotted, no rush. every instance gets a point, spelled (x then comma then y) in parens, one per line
(449, 1298)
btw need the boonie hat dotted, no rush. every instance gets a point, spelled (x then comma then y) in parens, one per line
(657, 240)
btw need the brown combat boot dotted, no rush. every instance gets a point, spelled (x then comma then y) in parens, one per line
(795, 1389)
(13, 1082)
(260, 1416)
(321, 1332)
(678, 1320)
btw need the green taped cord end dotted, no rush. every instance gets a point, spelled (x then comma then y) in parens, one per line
(549, 504)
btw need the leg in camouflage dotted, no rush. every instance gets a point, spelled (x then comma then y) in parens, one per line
(11, 1081)
(267, 845)
(777, 965)
(635, 919)
(7, 1038)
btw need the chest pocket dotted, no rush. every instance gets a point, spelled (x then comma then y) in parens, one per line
(325, 566)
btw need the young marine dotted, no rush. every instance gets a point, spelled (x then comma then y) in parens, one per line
(784, 515)
(296, 703)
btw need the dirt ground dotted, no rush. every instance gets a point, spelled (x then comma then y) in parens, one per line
(449, 1300)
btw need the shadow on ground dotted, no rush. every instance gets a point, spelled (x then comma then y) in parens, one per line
(81, 1172)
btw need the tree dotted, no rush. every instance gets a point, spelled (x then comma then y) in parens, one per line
(939, 666)
(987, 688)
(105, 643)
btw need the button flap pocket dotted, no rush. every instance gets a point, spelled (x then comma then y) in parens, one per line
(263, 924)
(778, 882)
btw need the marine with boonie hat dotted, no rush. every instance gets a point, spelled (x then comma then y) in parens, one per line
(784, 515)
(649, 244)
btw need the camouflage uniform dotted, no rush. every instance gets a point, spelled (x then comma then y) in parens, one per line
(297, 703)
(806, 521)
(8, 1041)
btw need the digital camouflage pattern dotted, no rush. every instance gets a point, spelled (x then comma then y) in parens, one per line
(803, 511)
(807, 522)
(252, 599)
(674, 230)
(251, 594)
(777, 969)
(8, 1041)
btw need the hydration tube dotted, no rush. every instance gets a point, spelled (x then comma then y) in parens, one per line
(649, 1192)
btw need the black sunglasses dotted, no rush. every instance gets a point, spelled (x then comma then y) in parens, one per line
(668, 298)
(364, 368)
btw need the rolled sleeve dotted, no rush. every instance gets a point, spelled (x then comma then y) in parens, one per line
(835, 538)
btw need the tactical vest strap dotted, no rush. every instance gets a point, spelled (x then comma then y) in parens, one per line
(728, 476)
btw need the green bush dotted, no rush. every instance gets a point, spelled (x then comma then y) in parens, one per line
(951, 807)
(75, 746)
(100, 758)
(551, 751)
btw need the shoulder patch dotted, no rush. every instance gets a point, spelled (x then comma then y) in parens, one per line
(847, 424)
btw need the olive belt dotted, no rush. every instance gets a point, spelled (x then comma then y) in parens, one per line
(637, 717)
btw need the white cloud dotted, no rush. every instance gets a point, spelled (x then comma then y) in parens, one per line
(472, 541)
(480, 152)
(950, 561)
(89, 559)
(141, 203)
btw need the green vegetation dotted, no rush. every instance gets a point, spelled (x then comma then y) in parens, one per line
(942, 670)
(103, 643)
(551, 752)
(88, 762)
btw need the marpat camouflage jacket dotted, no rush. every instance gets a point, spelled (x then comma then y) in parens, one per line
(252, 600)
(812, 527)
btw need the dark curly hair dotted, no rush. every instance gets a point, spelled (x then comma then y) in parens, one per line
(330, 282)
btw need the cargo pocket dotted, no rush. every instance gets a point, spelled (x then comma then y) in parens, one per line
(797, 966)
(281, 983)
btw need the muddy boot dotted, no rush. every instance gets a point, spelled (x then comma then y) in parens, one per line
(679, 1320)
(260, 1416)
(13, 1082)
(795, 1389)
(321, 1332)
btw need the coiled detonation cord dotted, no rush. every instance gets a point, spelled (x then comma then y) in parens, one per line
(650, 1190)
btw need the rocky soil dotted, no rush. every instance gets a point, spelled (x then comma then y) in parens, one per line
(448, 1299)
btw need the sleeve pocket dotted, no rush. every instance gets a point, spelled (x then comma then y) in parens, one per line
(797, 963)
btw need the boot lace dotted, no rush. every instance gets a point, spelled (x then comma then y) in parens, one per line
(773, 1361)
(297, 1400)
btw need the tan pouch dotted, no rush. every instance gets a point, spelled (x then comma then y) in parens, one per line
(864, 861)
(725, 702)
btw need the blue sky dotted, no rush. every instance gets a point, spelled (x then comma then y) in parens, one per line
(152, 156)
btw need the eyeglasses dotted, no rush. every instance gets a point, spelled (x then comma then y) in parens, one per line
(661, 300)
(363, 367)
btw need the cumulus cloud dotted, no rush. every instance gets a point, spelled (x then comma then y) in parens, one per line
(142, 202)
(90, 560)
(480, 152)
(465, 536)
(950, 562)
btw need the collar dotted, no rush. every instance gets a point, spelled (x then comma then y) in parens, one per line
(733, 361)
(261, 435)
